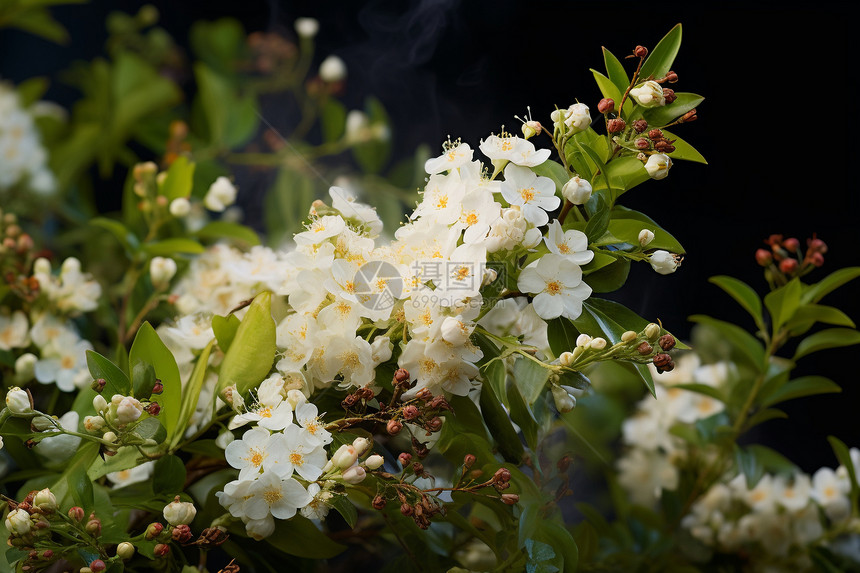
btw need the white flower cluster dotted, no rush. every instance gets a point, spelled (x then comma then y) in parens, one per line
(287, 438)
(22, 157)
(651, 462)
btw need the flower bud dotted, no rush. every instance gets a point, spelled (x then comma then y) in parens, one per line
(663, 363)
(788, 266)
(76, 513)
(45, 501)
(405, 458)
(179, 512)
(564, 402)
(763, 257)
(606, 105)
(344, 457)
(180, 207)
(469, 461)
(181, 534)
(332, 69)
(410, 412)
(153, 409)
(640, 51)
(307, 28)
(99, 403)
(616, 125)
(640, 125)
(669, 95)
(642, 143)
(93, 527)
(125, 550)
(583, 340)
(531, 128)
(598, 344)
(664, 146)
(393, 427)
(652, 331)
(455, 331)
(109, 437)
(817, 245)
(374, 462)
(361, 445)
(816, 259)
(671, 77)
(648, 94)
(18, 522)
(658, 166)
(629, 336)
(510, 498)
(98, 384)
(161, 270)
(667, 342)
(663, 262)
(97, 566)
(566, 358)
(18, 401)
(153, 530)
(354, 475)
(221, 194)
(406, 509)
(577, 117)
(158, 387)
(401, 376)
(161, 550)
(577, 191)
(791, 244)
(25, 367)
(645, 237)
(128, 410)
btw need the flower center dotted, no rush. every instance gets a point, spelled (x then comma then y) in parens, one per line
(553, 287)
(471, 219)
(563, 248)
(297, 459)
(272, 496)
(67, 362)
(527, 194)
(256, 458)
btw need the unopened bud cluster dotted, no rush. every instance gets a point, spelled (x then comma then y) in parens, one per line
(649, 345)
(785, 259)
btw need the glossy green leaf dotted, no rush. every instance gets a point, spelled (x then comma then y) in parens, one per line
(814, 293)
(749, 465)
(660, 60)
(500, 426)
(252, 352)
(844, 457)
(609, 278)
(116, 382)
(624, 173)
(771, 460)
(703, 389)
(830, 338)
(531, 378)
(763, 416)
(345, 508)
(332, 119)
(236, 233)
(599, 222)
(125, 237)
(627, 223)
(808, 314)
(800, 387)
(225, 328)
(608, 88)
(743, 294)
(300, 537)
(748, 346)
(616, 72)
(562, 335)
(179, 180)
(191, 391)
(148, 348)
(683, 150)
(74, 486)
(666, 114)
(231, 119)
(523, 417)
(168, 476)
(782, 303)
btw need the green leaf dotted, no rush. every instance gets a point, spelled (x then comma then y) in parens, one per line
(252, 352)
(666, 114)
(300, 537)
(800, 387)
(191, 391)
(782, 303)
(599, 222)
(828, 284)
(281, 214)
(830, 338)
(116, 382)
(143, 380)
(173, 247)
(150, 429)
(616, 72)
(35, 20)
(125, 237)
(663, 54)
(180, 177)
(683, 150)
(333, 120)
(808, 314)
(31, 90)
(749, 465)
(231, 119)
(748, 346)
(771, 460)
(844, 457)
(763, 416)
(500, 425)
(743, 294)
(702, 389)
(168, 476)
(149, 349)
(608, 87)
(562, 335)
(74, 486)
(609, 278)
(627, 223)
(523, 417)
(531, 378)
(345, 508)
(624, 173)
(239, 234)
(225, 328)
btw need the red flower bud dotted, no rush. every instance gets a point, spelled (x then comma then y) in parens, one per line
(655, 134)
(669, 95)
(817, 245)
(671, 77)
(763, 257)
(644, 349)
(401, 375)
(98, 566)
(816, 259)
(153, 409)
(667, 342)
(181, 534)
(640, 51)
(615, 125)
(158, 388)
(99, 384)
(502, 475)
(76, 513)
(469, 461)
(393, 427)
(642, 143)
(640, 125)
(410, 412)
(378, 502)
(606, 105)
(510, 498)
(788, 266)
(153, 531)
(406, 509)
(404, 459)
(161, 550)
(791, 245)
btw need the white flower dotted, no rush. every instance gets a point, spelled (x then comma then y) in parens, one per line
(318, 507)
(648, 94)
(658, 165)
(507, 232)
(269, 417)
(572, 244)
(161, 270)
(320, 229)
(18, 401)
(179, 512)
(14, 331)
(830, 493)
(308, 417)
(45, 500)
(257, 451)
(664, 262)
(534, 195)
(260, 529)
(221, 194)
(345, 202)
(306, 28)
(456, 331)
(128, 410)
(792, 495)
(478, 211)
(298, 452)
(454, 156)
(557, 284)
(93, 424)
(332, 69)
(577, 191)
(577, 118)
(514, 149)
(18, 522)
(64, 362)
(645, 237)
(272, 495)
(180, 207)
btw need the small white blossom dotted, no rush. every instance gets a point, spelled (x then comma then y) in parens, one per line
(664, 262)
(648, 94)
(557, 285)
(221, 194)
(658, 165)
(332, 69)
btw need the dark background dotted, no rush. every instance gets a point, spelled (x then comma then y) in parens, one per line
(775, 127)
